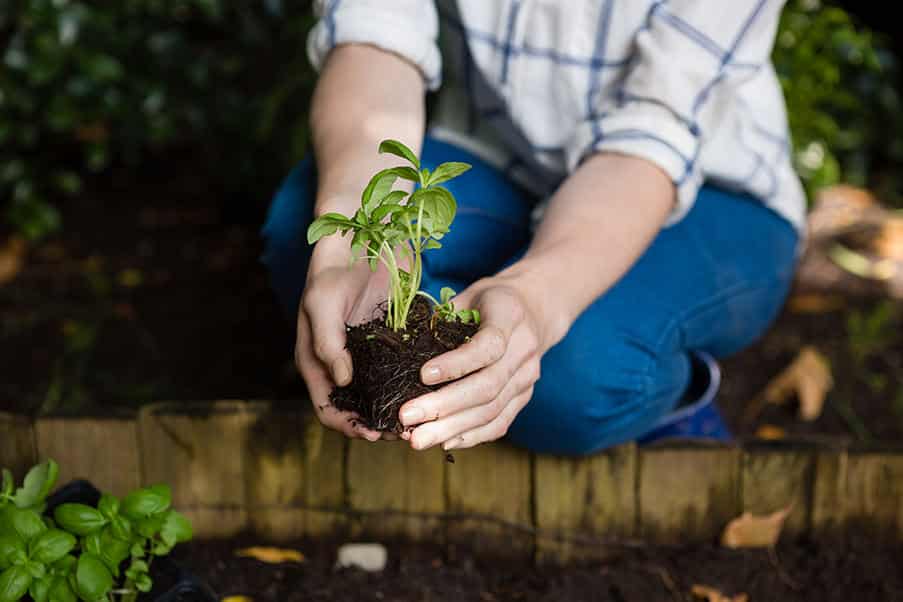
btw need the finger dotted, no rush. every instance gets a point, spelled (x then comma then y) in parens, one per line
(327, 334)
(496, 429)
(319, 385)
(474, 390)
(500, 312)
(432, 433)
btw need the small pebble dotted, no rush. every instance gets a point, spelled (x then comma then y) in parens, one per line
(370, 557)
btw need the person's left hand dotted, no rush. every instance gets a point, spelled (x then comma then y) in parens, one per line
(500, 363)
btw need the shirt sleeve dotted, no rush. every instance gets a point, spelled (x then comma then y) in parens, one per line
(690, 58)
(409, 28)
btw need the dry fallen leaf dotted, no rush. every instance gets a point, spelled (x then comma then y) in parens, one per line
(809, 376)
(815, 303)
(271, 555)
(753, 531)
(770, 432)
(889, 242)
(12, 258)
(237, 599)
(710, 594)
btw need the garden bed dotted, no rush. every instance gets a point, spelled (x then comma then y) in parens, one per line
(856, 570)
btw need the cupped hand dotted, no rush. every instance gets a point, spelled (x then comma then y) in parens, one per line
(334, 295)
(497, 370)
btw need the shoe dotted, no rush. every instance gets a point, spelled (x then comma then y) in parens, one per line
(697, 416)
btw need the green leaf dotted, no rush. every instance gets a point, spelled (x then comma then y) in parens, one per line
(380, 186)
(398, 149)
(36, 569)
(144, 583)
(91, 543)
(61, 591)
(393, 198)
(439, 209)
(446, 172)
(64, 565)
(38, 483)
(51, 545)
(79, 519)
(27, 523)
(122, 528)
(161, 549)
(150, 526)
(359, 241)
(326, 225)
(432, 244)
(11, 545)
(40, 588)
(112, 550)
(93, 578)
(176, 528)
(108, 505)
(446, 294)
(6, 489)
(147, 502)
(137, 550)
(14, 583)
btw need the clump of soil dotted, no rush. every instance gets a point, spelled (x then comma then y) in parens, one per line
(387, 364)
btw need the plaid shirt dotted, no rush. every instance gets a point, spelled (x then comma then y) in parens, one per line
(535, 86)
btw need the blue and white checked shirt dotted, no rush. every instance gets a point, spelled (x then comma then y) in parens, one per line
(534, 86)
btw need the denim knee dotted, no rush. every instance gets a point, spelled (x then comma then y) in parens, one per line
(598, 391)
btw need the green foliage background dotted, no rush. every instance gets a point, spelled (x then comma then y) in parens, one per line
(86, 86)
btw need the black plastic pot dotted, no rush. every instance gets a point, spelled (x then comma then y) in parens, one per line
(172, 582)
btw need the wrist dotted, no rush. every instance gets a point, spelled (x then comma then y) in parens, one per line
(548, 305)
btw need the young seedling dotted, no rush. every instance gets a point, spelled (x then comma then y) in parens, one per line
(94, 554)
(445, 309)
(394, 228)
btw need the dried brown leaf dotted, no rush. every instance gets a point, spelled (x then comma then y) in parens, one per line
(271, 555)
(12, 258)
(770, 432)
(815, 303)
(809, 377)
(753, 531)
(889, 242)
(710, 594)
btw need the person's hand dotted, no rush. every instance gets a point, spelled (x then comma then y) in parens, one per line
(334, 295)
(501, 364)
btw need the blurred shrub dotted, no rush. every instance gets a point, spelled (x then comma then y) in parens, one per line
(84, 85)
(840, 82)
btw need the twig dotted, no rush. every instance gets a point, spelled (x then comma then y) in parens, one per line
(667, 580)
(782, 574)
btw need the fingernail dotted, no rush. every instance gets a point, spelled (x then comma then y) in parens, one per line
(412, 415)
(430, 375)
(450, 445)
(341, 372)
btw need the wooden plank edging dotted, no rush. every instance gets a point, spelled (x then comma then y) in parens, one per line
(250, 466)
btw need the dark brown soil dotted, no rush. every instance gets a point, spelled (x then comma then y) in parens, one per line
(862, 339)
(387, 364)
(794, 572)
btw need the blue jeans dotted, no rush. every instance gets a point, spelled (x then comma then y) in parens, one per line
(713, 282)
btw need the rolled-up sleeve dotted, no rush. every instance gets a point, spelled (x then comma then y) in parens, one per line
(409, 28)
(690, 58)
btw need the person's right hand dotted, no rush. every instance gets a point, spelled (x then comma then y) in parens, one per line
(334, 295)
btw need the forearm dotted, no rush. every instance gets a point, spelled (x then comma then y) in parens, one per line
(598, 223)
(364, 95)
